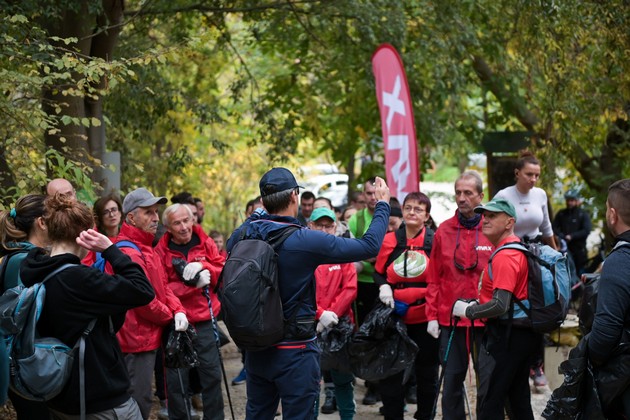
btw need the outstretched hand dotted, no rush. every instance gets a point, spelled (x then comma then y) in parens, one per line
(93, 241)
(381, 189)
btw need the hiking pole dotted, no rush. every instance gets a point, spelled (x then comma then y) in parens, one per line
(446, 353)
(466, 401)
(215, 327)
(187, 403)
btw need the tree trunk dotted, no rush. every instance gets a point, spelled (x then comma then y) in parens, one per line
(103, 44)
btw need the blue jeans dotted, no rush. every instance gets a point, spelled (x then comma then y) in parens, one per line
(289, 372)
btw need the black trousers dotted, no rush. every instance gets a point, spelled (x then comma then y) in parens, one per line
(426, 368)
(504, 362)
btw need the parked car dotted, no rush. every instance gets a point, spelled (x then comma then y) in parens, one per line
(331, 186)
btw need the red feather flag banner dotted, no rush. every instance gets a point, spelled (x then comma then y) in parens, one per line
(399, 131)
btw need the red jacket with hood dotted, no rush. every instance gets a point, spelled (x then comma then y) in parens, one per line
(142, 330)
(205, 253)
(336, 289)
(446, 282)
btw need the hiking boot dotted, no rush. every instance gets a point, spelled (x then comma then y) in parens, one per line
(411, 396)
(240, 378)
(330, 404)
(538, 376)
(371, 397)
(197, 402)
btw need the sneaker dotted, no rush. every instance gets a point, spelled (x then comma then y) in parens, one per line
(240, 378)
(538, 376)
(371, 397)
(330, 404)
(411, 396)
(163, 413)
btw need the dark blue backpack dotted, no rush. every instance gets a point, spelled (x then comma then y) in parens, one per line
(99, 264)
(548, 287)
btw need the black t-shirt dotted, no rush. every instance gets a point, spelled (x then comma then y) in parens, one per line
(194, 241)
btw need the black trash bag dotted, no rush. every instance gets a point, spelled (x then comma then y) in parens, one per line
(613, 378)
(178, 265)
(579, 395)
(333, 343)
(179, 347)
(381, 346)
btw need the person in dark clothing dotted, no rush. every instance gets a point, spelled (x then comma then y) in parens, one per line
(77, 295)
(21, 229)
(289, 371)
(573, 225)
(611, 325)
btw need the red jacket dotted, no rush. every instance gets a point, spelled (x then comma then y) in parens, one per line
(417, 265)
(336, 289)
(192, 298)
(142, 330)
(447, 283)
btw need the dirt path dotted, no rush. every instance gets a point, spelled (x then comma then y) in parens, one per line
(232, 362)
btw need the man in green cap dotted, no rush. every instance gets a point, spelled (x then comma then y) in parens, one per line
(504, 358)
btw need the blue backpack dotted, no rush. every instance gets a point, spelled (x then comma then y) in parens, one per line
(548, 287)
(100, 262)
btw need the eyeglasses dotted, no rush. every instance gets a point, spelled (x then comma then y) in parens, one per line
(321, 226)
(460, 266)
(409, 209)
(110, 212)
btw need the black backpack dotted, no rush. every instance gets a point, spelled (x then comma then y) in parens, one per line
(249, 293)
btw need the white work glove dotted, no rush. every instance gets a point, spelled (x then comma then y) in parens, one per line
(204, 279)
(328, 319)
(320, 327)
(433, 328)
(459, 309)
(386, 295)
(191, 270)
(181, 322)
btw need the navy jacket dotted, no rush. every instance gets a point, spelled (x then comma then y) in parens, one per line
(613, 304)
(305, 249)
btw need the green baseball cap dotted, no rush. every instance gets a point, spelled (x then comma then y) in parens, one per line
(320, 212)
(498, 205)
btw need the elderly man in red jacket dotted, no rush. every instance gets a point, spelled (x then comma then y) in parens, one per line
(200, 266)
(141, 334)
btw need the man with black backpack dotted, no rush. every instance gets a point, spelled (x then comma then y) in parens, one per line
(289, 368)
(504, 358)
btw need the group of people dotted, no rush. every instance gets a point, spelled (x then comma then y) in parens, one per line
(138, 297)
(329, 269)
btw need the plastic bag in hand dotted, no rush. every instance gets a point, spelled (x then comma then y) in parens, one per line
(179, 347)
(179, 264)
(333, 343)
(381, 346)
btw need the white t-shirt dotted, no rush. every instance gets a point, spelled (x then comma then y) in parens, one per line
(532, 215)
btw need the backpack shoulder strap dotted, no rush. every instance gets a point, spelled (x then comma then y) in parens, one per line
(401, 245)
(277, 238)
(510, 245)
(427, 246)
(128, 244)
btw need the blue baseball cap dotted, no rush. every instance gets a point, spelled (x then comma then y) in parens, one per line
(276, 180)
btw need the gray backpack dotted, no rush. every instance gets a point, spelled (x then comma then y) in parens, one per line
(40, 367)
